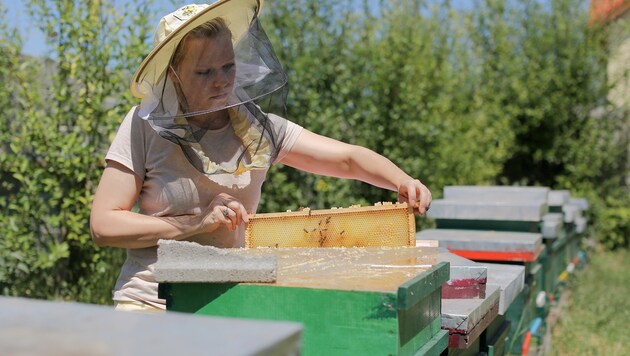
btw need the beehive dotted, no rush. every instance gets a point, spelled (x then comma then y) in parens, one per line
(351, 301)
(384, 224)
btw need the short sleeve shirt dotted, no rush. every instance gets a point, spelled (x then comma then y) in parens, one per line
(172, 186)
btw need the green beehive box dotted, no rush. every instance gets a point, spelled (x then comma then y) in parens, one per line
(524, 309)
(558, 262)
(554, 263)
(341, 315)
(496, 336)
(520, 314)
(494, 225)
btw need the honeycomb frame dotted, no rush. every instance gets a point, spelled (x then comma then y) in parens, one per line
(383, 224)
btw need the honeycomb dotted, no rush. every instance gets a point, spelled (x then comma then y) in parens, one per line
(384, 224)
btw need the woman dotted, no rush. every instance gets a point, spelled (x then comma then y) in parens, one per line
(194, 154)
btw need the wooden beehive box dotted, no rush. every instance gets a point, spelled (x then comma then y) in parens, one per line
(351, 301)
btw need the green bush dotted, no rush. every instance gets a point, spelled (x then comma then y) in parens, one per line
(57, 119)
(613, 229)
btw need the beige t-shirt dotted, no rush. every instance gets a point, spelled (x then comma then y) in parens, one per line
(172, 186)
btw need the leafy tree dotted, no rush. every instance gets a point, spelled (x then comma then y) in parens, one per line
(504, 93)
(61, 116)
(393, 78)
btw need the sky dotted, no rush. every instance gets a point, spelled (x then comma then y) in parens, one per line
(17, 16)
(34, 41)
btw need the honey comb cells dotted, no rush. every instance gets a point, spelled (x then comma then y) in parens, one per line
(384, 224)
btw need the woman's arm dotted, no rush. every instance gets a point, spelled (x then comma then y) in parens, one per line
(112, 222)
(322, 155)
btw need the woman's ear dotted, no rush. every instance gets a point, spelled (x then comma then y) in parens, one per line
(172, 75)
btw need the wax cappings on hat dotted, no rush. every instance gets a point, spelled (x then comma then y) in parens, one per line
(259, 77)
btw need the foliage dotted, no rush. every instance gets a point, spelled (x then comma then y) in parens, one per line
(614, 223)
(505, 92)
(397, 82)
(510, 92)
(59, 117)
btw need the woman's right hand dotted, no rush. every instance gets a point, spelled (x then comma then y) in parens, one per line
(226, 210)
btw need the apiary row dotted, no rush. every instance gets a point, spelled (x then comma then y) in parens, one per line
(345, 281)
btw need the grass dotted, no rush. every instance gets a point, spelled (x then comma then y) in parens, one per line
(597, 320)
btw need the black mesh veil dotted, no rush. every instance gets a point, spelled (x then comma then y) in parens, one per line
(259, 86)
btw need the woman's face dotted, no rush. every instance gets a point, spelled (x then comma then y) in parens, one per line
(206, 72)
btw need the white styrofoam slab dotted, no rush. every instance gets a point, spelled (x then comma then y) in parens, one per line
(581, 202)
(552, 225)
(35, 327)
(524, 210)
(463, 315)
(509, 278)
(184, 261)
(495, 193)
(462, 268)
(480, 240)
(558, 197)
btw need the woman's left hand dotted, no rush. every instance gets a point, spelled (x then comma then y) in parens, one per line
(416, 194)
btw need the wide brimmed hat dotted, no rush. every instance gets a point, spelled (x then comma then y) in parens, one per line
(172, 28)
(259, 85)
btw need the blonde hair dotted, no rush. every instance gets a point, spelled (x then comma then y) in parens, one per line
(210, 29)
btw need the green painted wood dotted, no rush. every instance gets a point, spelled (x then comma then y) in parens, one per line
(549, 241)
(555, 209)
(493, 328)
(497, 343)
(538, 276)
(335, 322)
(190, 297)
(418, 324)
(534, 271)
(548, 280)
(559, 244)
(574, 246)
(520, 226)
(559, 256)
(472, 350)
(559, 261)
(520, 315)
(416, 289)
(435, 346)
(517, 315)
